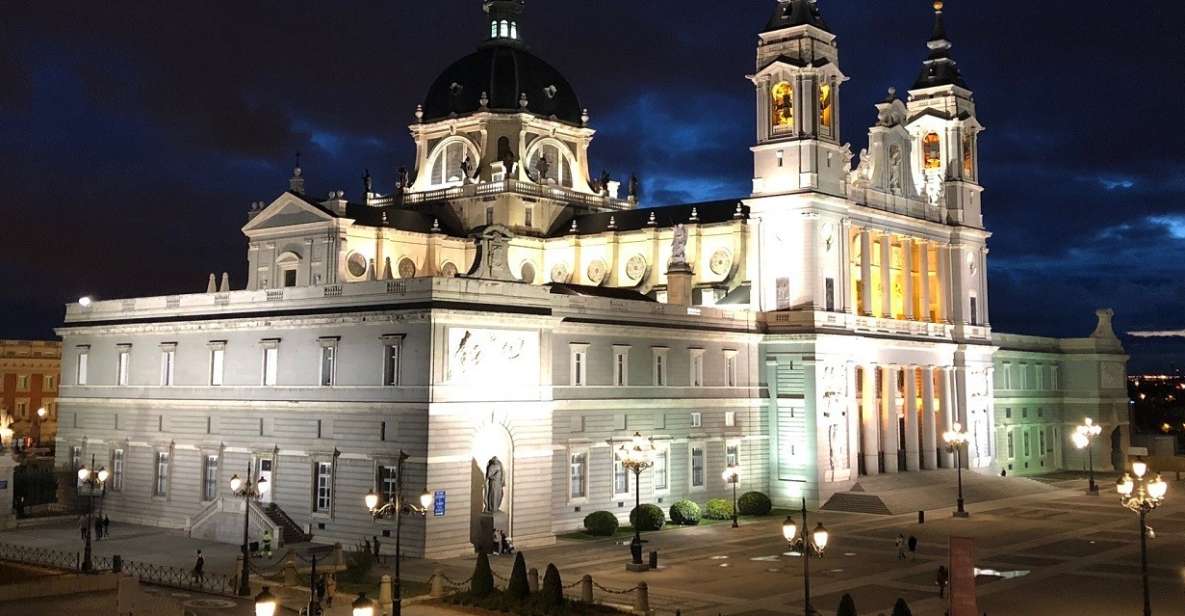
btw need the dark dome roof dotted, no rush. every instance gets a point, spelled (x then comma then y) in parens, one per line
(504, 71)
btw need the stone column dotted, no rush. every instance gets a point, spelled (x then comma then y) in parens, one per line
(845, 267)
(886, 276)
(929, 421)
(890, 438)
(853, 408)
(912, 455)
(947, 402)
(866, 272)
(943, 310)
(907, 280)
(924, 278)
(870, 422)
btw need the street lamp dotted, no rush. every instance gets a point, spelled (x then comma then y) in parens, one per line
(248, 491)
(396, 509)
(637, 456)
(364, 606)
(812, 545)
(6, 431)
(1142, 495)
(95, 481)
(732, 475)
(955, 438)
(1083, 438)
(41, 413)
(265, 603)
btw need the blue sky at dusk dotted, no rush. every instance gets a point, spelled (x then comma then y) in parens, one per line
(134, 136)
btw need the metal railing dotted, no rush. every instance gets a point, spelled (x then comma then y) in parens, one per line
(56, 559)
(176, 577)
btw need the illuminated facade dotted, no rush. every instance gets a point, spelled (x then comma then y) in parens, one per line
(502, 301)
(29, 377)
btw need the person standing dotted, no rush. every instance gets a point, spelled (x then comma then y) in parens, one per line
(106, 526)
(378, 555)
(84, 527)
(330, 589)
(199, 568)
(900, 546)
(942, 579)
(913, 547)
(98, 529)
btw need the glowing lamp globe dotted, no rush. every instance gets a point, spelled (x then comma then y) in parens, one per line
(1139, 468)
(84, 301)
(235, 483)
(372, 500)
(102, 475)
(425, 500)
(265, 603)
(1158, 488)
(363, 606)
(83, 473)
(821, 536)
(1126, 486)
(1080, 440)
(41, 412)
(789, 529)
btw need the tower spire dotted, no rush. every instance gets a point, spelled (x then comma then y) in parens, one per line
(791, 13)
(939, 69)
(504, 16)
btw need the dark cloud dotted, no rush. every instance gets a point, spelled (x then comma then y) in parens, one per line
(133, 135)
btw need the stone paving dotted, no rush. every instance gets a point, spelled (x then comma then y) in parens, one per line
(1071, 554)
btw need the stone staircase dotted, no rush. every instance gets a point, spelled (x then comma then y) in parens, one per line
(290, 532)
(857, 502)
(898, 493)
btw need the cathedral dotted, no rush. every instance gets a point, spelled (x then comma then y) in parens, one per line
(502, 310)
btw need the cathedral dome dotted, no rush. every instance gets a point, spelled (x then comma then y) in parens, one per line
(504, 72)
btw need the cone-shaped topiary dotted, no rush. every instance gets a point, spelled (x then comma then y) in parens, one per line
(552, 593)
(483, 577)
(847, 606)
(901, 608)
(518, 589)
(754, 503)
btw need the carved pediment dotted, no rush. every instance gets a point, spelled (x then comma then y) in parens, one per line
(287, 211)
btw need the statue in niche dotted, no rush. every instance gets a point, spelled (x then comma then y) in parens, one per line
(863, 171)
(495, 482)
(679, 246)
(895, 169)
(835, 416)
(934, 189)
(466, 169)
(542, 166)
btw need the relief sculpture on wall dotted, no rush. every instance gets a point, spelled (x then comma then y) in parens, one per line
(835, 416)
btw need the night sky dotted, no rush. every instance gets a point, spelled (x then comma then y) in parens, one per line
(134, 135)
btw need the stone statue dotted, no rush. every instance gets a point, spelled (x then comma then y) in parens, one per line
(934, 189)
(679, 246)
(495, 481)
(403, 179)
(367, 183)
(635, 188)
(834, 411)
(542, 166)
(895, 170)
(605, 179)
(466, 169)
(863, 171)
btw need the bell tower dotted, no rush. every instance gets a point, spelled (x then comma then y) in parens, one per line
(945, 132)
(797, 84)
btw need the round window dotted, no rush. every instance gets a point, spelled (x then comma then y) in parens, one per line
(356, 265)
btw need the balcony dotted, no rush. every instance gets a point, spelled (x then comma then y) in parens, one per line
(526, 189)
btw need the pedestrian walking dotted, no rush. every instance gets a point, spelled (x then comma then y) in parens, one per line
(330, 590)
(900, 546)
(378, 555)
(106, 526)
(199, 568)
(942, 579)
(913, 547)
(98, 529)
(84, 527)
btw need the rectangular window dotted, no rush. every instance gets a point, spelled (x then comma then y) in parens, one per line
(168, 358)
(974, 311)
(121, 366)
(730, 419)
(661, 470)
(781, 158)
(621, 365)
(697, 420)
(489, 215)
(388, 483)
(117, 470)
(324, 486)
(577, 475)
(730, 368)
(1028, 447)
(22, 409)
(529, 217)
(391, 351)
(1007, 376)
(217, 366)
(161, 483)
(271, 358)
(1054, 383)
(697, 466)
(829, 294)
(48, 383)
(75, 458)
(1011, 445)
(1041, 441)
(696, 376)
(621, 478)
(732, 454)
(578, 374)
(328, 364)
(80, 377)
(290, 278)
(1008, 413)
(22, 382)
(660, 366)
(210, 479)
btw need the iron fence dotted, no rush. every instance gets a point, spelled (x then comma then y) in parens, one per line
(70, 561)
(176, 577)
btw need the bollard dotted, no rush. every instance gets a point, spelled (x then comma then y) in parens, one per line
(116, 563)
(921, 517)
(437, 589)
(654, 559)
(642, 600)
(290, 570)
(586, 595)
(533, 580)
(385, 595)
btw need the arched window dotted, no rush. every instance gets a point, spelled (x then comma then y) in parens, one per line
(551, 163)
(782, 105)
(493, 29)
(969, 156)
(932, 150)
(504, 28)
(514, 30)
(446, 163)
(826, 109)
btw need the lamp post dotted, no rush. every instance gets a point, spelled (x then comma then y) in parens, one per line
(814, 543)
(363, 606)
(265, 603)
(1142, 494)
(955, 438)
(637, 456)
(732, 475)
(248, 491)
(397, 509)
(1083, 438)
(93, 480)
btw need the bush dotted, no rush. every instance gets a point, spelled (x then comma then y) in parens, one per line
(718, 509)
(901, 608)
(517, 588)
(754, 503)
(483, 578)
(847, 607)
(600, 524)
(552, 593)
(685, 512)
(647, 517)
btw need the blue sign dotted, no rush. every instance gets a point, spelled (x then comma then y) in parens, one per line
(4, 486)
(438, 504)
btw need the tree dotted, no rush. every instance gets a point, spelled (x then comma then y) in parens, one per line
(847, 607)
(483, 577)
(901, 608)
(518, 589)
(552, 593)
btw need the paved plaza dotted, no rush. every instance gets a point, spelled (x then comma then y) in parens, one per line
(1059, 552)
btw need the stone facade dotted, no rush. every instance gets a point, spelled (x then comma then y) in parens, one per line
(30, 373)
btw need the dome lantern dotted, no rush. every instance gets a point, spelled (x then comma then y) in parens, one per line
(504, 17)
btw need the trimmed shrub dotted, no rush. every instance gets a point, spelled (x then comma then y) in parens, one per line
(847, 607)
(600, 524)
(754, 503)
(551, 595)
(483, 577)
(518, 588)
(647, 517)
(685, 512)
(901, 608)
(718, 509)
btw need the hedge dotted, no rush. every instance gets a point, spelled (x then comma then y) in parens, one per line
(754, 503)
(718, 509)
(647, 517)
(685, 512)
(600, 524)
